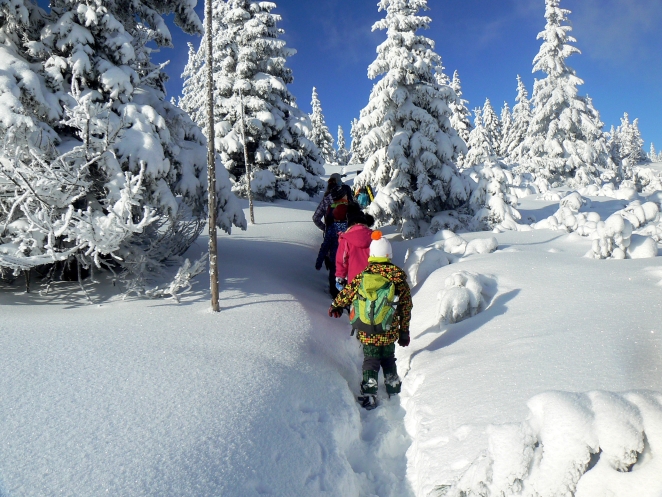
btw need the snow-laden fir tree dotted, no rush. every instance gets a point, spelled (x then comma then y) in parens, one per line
(103, 170)
(461, 117)
(492, 125)
(342, 154)
(407, 139)
(491, 201)
(320, 134)
(565, 143)
(521, 119)
(355, 154)
(653, 155)
(250, 60)
(626, 147)
(506, 127)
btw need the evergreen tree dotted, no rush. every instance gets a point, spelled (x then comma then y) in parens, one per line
(406, 135)
(320, 135)
(514, 138)
(460, 119)
(652, 155)
(565, 141)
(250, 64)
(355, 154)
(506, 126)
(480, 145)
(492, 125)
(106, 171)
(626, 146)
(342, 154)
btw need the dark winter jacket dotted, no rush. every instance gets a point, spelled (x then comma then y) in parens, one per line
(330, 244)
(323, 207)
(400, 325)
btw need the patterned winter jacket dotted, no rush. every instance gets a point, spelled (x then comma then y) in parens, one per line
(400, 326)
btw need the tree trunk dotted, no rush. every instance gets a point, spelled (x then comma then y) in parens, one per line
(211, 163)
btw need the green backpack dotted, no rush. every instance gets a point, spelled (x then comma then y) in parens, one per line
(374, 308)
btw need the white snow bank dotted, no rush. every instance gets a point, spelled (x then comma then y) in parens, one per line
(594, 444)
(463, 296)
(421, 262)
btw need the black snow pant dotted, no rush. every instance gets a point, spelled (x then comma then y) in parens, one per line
(374, 357)
(332, 278)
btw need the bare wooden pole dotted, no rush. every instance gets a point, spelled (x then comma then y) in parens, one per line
(211, 164)
(248, 166)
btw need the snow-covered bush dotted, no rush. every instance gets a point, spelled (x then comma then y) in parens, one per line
(250, 61)
(565, 143)
(572, 444)
(422, 262)
(462, 297)
(406, 137)
(102, 168)
(448, 248)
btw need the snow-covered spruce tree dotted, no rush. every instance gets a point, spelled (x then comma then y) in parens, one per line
(492, 201)
(406, 135)
(626, 146)
(479, 143)
(565, 143)
(652, 154)
(506, 126)
(355, 154)
(103, 169)
(461, 117)
(320, 134)
(492, 125)
(513, 139)
(342, 154)
(250, 61)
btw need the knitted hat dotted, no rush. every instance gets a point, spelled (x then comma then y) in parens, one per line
(340, 212)
(380, 246)
(337, 192)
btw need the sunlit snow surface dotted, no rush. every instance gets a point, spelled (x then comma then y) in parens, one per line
(144, 397)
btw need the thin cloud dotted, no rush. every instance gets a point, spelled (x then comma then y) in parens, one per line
(617, 30)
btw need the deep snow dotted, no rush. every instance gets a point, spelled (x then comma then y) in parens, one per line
(143, 397)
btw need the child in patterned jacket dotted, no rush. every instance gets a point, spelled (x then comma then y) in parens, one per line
(379, 348)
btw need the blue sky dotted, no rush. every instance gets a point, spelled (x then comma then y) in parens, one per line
(488, 42)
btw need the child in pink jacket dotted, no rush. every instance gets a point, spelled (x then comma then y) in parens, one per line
(353, 245)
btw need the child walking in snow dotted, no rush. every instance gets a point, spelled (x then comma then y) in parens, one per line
(384, 285)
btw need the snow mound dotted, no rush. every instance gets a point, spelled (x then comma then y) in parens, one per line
(422, 262)
(464, 296)
(624, 192)
(482, 246)
(583, 444)
(450, 242)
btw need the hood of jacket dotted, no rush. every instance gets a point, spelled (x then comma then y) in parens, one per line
(359, 236)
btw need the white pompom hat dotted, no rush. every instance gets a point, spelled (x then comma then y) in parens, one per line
(380, 246)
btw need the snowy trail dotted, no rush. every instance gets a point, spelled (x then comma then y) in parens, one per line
(153, 398)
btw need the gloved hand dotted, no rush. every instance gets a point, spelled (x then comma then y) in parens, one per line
(403, 341)
(340, 283)
(335, 312)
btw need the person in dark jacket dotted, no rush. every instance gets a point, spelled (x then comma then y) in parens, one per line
(327, 252)
(323, 209)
